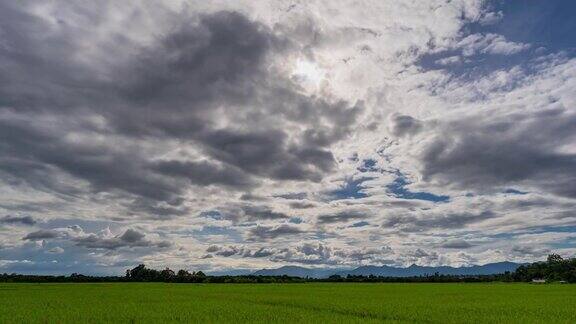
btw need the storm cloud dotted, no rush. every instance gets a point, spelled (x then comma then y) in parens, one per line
(207, 82)
(522, 149)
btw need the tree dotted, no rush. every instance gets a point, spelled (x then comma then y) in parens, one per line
(167, 275)
(554, 258)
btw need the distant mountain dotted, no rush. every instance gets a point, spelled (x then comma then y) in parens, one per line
(387, 271)
(414, 270)
(233, 272)
(295, 271)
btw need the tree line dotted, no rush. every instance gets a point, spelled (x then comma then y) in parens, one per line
(554, 269)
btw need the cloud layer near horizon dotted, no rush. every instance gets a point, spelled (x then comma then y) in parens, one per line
(235, 134)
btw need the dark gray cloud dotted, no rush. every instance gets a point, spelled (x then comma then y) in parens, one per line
(356, 255)
(130, 238)
(35, 156)
(268, 153)
(75, 234)
(247, 212)
(106, 123)
(320, 250)
(227, 252)
(23, 220)
(269, 232)
(306, 253)
(435, 221)
(402, 125)
(262, 213)
(240, 251)
(301, 205)
(204, 173)
(252, 197)
(341, 217)
(420, 253)
(522, 149)
(293, 195)
(456, 244)
(42, 235)
(262, 253)
(320, 253)
(528, 250)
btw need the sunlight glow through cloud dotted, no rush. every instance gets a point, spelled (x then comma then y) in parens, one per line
(308, 73)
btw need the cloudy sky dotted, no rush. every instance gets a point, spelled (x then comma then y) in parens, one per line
(218, 135)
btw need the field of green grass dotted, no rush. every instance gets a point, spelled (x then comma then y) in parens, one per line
(286, 303)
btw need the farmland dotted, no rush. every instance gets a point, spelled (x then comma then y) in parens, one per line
(266, 303)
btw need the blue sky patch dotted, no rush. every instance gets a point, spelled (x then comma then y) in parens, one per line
(352, 189)
(397, 188)
(295, 220)
(368, 165)
(548, 24)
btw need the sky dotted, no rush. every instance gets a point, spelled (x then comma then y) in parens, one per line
(238, 135)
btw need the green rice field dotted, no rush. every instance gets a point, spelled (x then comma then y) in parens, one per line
(287, 303)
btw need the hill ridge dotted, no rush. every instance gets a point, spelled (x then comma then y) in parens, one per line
(390, 271)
